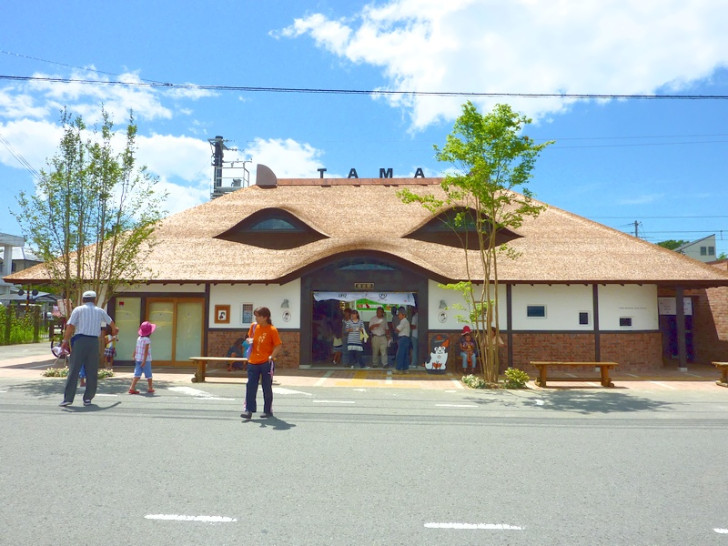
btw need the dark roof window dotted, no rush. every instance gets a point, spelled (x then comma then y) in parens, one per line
(454, 226)
(272, 228)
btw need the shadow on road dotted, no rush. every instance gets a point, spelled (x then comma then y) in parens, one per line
(54, 386)
(588, 402)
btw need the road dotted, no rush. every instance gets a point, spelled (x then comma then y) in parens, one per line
(363, 466)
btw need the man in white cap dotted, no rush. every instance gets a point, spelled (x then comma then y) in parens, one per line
(81, 338)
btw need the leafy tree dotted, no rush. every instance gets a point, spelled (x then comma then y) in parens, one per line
(672, 244)
(93, 212)
(492, 160)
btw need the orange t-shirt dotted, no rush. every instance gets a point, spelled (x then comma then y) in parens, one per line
(265, 338)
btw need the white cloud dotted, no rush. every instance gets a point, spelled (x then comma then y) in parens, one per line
(285, 157)
(645, 199)
(526, 46)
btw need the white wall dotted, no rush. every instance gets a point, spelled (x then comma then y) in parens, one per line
(637, 302)
(455, 316)
(563, 304)
(259, 295)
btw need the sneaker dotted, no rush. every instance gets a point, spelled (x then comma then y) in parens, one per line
(133, 391)
(151, 391)
(87, 402)
(64, 404)
(246, 415)
(267, 415)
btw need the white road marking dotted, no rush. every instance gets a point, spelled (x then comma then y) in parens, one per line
(203, 519)
(477, 526)
(281, 390)
(324, 378)
(334, 402)
(592, 384)
(201, 395)
(660, 384)
(456, 406)
(539, 402)
(110, 395)
(721, 531)
(457, 383)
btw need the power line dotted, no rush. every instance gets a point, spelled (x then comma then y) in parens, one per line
(331, 91)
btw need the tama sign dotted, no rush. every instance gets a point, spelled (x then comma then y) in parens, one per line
(383, 173)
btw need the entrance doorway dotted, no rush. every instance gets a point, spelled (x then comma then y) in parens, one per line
(328, 317)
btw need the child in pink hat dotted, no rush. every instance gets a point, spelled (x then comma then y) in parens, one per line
(143, 357)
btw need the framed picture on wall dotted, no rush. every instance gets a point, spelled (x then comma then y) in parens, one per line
(222, 314)
(247, 313)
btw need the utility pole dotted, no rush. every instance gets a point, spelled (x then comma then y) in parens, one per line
(636, 228)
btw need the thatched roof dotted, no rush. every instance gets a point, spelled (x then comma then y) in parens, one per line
(367, 215)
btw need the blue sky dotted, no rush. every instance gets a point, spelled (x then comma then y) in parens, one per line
(660, 163)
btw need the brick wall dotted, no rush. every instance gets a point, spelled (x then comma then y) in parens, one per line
(710, 324)
(219, 341)
(633, 351)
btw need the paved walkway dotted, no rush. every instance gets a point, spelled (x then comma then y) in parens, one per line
(30, 360)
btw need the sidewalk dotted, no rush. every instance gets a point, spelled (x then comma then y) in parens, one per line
(30, 360)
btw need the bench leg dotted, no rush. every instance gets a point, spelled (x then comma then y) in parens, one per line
(200, 373)
(541, 376)
(605, 376)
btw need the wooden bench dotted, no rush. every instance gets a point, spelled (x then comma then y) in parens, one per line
(723, 367)
(604, 368)
(201, 362)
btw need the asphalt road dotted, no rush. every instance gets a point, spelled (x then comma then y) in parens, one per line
(362, 466)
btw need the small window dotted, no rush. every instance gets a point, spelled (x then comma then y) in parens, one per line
(703, 251)
(711, 251)
(625, 321)
(536, 311)
(583, 317)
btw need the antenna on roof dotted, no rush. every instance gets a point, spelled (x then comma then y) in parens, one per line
(218, 163)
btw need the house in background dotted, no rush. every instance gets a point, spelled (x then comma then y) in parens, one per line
(702, 250)
(306, 248)
(20, 258)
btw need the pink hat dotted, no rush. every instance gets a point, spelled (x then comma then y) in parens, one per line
(466, 330)
(146, 328)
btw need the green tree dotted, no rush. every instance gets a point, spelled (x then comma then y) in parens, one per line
(672, 244)
(492, 161)
(93, 213)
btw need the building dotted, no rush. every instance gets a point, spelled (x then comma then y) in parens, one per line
(702, 250)
(304, 248)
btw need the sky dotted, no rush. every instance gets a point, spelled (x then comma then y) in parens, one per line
(583, 71)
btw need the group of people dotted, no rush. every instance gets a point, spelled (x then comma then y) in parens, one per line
(81, 341)
(353, 333)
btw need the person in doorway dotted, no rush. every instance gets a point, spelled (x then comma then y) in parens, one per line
(266, 345)
(379, 329)
(354, 346)
(110, 340)
(403, 341)
(414, 338)
(337, 343)
(468, 351)
(143, 357)
(81, 340)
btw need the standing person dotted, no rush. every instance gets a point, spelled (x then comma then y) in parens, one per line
(337, 342)
(143, 357)
(81, 339)
(379, 329)
(414, 337)
(266, 344)
(110, 350)
(354, 346)
(403, 341)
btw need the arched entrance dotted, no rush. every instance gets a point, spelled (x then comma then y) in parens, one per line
(358, 272)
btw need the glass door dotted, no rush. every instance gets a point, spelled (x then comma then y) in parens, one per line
(179, 328)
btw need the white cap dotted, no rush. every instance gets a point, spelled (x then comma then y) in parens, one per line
(89, 294)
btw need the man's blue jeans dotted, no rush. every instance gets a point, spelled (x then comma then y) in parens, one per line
(259, 373)
(403, 353)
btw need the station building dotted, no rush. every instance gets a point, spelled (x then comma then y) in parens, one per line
(305, 248)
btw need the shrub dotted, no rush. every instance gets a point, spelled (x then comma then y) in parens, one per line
(63, 372)
(516, 379)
